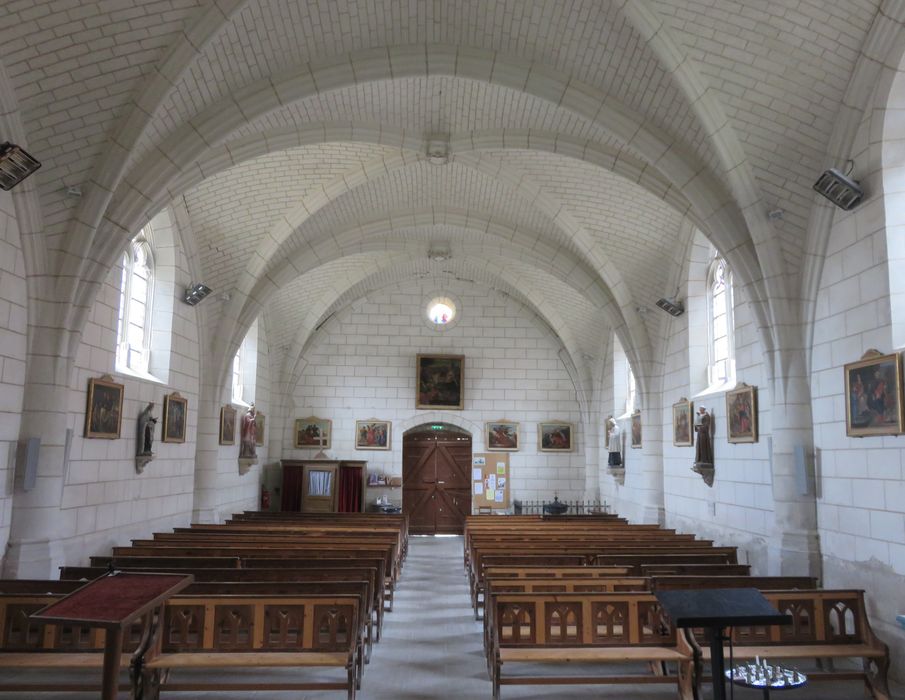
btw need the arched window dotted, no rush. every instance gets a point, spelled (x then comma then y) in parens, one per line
(133, 328)
(238, 375)
(245, 367)
(721, 324)
(630, 391)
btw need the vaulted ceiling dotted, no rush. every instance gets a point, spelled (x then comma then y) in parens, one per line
(586, 140)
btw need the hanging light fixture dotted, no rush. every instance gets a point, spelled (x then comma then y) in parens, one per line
(15, 165)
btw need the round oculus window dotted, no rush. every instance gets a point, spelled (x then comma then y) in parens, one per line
(441, 311)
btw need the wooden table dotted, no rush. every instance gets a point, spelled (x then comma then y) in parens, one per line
(113, 602)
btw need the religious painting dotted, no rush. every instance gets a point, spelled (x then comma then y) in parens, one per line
(636, 430)
(175, 410)
(104, 415)
(313, 432)
(741, 414)
(502, 436)
(440, 381)
(873, 395)
(554, 437)
(259, 428)
(372, 434)
(227, 425)
(682, 424)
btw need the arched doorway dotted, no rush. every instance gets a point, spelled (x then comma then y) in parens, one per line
(436, 493)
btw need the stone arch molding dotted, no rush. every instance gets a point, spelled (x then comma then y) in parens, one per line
(533, 301)
(380, 236)
(148, 179)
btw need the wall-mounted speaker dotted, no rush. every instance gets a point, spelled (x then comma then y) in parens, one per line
(27, 462)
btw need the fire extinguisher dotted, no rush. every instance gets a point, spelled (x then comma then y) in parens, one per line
(265, 498)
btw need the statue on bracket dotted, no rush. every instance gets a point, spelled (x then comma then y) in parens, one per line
(615, 467)
(144, 447)
(248, 453)
(703, 450)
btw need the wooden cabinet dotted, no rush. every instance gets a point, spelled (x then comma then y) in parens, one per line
(323, 485)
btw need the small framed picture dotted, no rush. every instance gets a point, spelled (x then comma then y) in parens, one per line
(259, 428)
(372, 434)
(555, 436)
(741, 414)
(502, 436)
(440, 381)
(104, 415)
(175, 410)
(636, 430)
(873, 395)
(228, 425)
(313, 432)
(682, 423)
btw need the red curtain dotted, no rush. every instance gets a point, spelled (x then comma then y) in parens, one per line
(349, 490)
(291, 497)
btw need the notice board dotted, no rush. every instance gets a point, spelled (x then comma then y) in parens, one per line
(490, 480)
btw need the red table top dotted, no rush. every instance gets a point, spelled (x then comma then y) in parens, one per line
(114, 600)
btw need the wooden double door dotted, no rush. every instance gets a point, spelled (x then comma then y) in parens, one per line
(436, 484)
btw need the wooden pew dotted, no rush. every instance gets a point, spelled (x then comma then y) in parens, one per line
(599, 628)
(826, 625)
(666, 583)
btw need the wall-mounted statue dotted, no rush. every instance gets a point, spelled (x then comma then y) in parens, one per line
(703, 450)
(144, 445)
(249, 435)
(614, 444)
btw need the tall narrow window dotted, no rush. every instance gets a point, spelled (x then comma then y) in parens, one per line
(720, 307)
(630, 391)
(133, 328)
(238, 375)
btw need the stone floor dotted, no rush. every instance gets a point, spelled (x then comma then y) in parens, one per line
(431, 649)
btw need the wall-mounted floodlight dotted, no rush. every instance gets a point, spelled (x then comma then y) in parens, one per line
(196, 293)
(672, 306)
(15, 165)
(839, 188)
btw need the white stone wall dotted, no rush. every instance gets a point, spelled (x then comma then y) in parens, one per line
(13, 338)
(738, 510)
(113, 503)
(362, 366)
(861, 481)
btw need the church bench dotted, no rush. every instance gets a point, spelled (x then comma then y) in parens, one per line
(225, 633)
(366, 575)
(561, 629)
(70, 657)
(665, 583)
(826, 625)
(685, 569)
(159, 563)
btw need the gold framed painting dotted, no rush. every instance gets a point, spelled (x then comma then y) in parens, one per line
(175, 410)
(440, 381)
(104, 415)
(313, 432)
(873, 395)
(636, 430)
(502, 436)
(555, 436)
(682, 423)
(373, 434)
(228, 425)
(259, 428)
(741, 414)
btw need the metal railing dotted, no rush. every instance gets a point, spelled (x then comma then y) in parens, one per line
(573, 507)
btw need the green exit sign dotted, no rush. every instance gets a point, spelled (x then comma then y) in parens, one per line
(436, 427)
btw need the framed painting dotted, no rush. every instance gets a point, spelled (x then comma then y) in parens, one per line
(440, 381)
(372, 434)
(228, 425)
(741, 413)
(502, 436)
(313, 432)
(636, 430)
(682, 423)
(555, 436)
(259, 428)
(104, 415)
(175, 410)
(873, 395)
